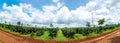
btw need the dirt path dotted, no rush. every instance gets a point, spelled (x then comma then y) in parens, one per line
(113, 37)
(6, 37)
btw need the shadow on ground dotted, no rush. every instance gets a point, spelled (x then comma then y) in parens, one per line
(115, 39)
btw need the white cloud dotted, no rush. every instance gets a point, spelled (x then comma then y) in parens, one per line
(63, 15)
(91, 4)
(15, 13)
(55, 1)
(60, 15)
(102, 11)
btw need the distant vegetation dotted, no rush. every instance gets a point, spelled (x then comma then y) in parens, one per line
(60, 33)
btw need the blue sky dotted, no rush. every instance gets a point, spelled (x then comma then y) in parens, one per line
(38, 3)
(61, 13)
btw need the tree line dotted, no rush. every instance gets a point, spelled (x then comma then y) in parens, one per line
(68, 32)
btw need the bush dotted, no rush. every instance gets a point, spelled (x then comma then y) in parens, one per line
(69, 32)
(53, 32)
(39, 32)
(32, 35)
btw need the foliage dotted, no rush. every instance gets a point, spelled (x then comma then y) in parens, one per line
(53, 32)
(59, 33)
(19, 23)
(88, 24)
(101, 21)
(51, 25)
(32, 35)
(69, 32)
(39, 32)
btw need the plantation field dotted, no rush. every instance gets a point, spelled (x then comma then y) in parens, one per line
(58, 34)
(113, 37)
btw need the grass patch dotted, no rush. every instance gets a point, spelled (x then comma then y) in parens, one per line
(26, 35)
(44, 36)
(107, 31)
(93, 34)
(79, 36)
(60, 36)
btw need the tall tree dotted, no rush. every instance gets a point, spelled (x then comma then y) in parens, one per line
(51, 25)
(19, 23)
(101, 21)
(88, 24)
